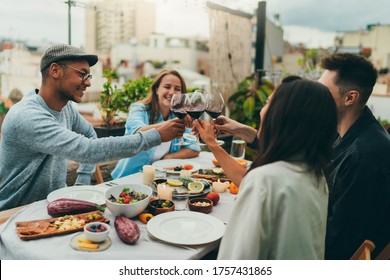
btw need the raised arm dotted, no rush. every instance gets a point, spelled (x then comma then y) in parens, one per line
(232, 168)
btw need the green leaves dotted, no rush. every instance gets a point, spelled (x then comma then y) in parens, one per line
(115, 99)
(249, 107)
(245, 104)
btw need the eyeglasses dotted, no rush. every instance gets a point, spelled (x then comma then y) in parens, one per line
(85, 76)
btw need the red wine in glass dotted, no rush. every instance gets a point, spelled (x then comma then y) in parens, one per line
(195, 107)
(178, 108)
(180, 114)
(213, 114)
(195, 114)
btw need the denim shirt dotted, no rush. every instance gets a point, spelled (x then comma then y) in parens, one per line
(139, 117)
(359, 189)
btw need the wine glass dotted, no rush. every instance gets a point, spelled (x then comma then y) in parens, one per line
(178, 102)
(214, 107)
(214, 104)
(195, 107)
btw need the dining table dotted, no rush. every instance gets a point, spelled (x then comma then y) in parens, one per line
(146, 248)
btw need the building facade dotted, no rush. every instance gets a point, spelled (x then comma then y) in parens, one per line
(111, 22)
(375, 39)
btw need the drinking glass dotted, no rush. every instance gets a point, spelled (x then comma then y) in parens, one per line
(195, 106)
(237, 150)
(178, 102)
(214, 104)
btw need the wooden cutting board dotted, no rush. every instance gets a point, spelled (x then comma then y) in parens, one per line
(52, 227)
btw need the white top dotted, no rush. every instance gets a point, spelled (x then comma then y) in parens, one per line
(280, 213)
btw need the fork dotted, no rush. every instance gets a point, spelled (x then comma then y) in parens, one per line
(111, 184)
(146, 236)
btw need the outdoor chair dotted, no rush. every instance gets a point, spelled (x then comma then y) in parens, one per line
(98, 172)
(385, 253)
(364, 251)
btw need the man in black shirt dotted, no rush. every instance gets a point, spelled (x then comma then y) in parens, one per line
(359, 174)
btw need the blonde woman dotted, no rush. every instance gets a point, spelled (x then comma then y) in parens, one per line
(152, 112)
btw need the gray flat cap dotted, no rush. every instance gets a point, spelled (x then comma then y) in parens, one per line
(59, 52)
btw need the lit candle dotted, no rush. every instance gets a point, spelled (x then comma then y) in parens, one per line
(148, 174)
(220, 186)
(164, 192)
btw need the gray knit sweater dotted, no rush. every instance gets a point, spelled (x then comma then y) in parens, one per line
(37, 142)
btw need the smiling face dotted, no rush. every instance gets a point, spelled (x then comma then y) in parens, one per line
(170, 84)
(71, 84)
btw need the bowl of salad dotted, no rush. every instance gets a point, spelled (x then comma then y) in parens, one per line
(128, 199)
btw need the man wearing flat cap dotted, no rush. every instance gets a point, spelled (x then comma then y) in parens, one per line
(43, 131)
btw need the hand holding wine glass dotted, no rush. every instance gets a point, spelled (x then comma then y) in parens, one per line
(214, 107)
(195, 106)
(178, 102)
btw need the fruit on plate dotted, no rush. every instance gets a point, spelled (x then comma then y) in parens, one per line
(179, 167)
(214, 197)
(174, 182)
(188, 166)
(195, 187)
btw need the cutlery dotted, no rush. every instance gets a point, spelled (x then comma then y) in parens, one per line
(147, 237)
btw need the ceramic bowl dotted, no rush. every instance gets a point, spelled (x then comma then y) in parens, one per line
(203, 205)
(129, 210)
(96, 231)
(159, 206)
(159, 181)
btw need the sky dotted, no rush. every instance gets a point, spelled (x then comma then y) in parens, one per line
(312, 22)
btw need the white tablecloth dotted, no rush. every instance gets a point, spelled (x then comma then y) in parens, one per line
(58, 247)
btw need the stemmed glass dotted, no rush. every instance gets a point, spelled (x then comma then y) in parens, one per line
(195, 106)
(178, 103)
(214, 106)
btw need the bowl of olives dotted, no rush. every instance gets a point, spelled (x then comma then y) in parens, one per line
(159, 206)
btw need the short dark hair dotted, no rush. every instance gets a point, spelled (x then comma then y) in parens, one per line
(300, 125)
(354, 72)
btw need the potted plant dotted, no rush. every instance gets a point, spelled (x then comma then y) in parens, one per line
(115, 100)
(245, 104)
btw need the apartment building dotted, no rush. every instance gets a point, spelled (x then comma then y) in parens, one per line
(111, 22)
(374, 39)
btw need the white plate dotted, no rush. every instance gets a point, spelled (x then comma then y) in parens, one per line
(162, 164)
(186, 228)
(94, 194)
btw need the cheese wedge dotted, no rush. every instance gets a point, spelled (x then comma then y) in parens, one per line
(89, 245)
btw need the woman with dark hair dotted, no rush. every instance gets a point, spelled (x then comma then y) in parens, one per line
(150, 113)
(281, 209)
